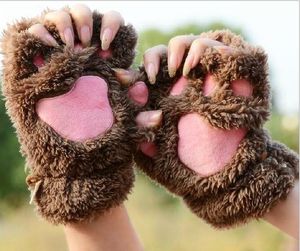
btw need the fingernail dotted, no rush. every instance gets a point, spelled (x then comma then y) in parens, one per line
(106, 39)
(69, 38)
(187, 65)
(172, 65)
(50, 40)
(151, 73)
(85, 35)
(186, 70)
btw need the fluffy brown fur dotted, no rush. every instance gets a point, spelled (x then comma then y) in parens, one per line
(76, 181)
(261, 173)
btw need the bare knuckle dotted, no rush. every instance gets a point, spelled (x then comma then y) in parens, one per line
(81, 11)
(199, 43)
(174, 40)
(161, 47)
(113, 13)
(149, 52)
(57, 15)
(36, 28)
(152, 50)
(178, 40)
(113, 17)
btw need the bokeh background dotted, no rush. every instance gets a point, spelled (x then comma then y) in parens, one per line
(163, 222)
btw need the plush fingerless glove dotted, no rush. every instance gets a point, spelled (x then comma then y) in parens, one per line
(72, 118)
(211, 148)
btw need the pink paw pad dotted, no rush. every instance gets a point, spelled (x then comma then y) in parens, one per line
(149, 149)
(240, 87)
(203, 148)
(104, 54)
(38, 60)
(139, 93)
(82, 113)
(179, 86)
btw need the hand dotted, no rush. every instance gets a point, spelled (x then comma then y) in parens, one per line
(285, 214)
(82, 17)
(102, 232)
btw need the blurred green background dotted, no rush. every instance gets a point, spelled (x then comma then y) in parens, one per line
(163, 222)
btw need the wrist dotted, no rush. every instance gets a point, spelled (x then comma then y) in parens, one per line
(280, 215)
(110, 231)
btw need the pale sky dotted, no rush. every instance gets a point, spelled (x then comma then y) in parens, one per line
(274, 25)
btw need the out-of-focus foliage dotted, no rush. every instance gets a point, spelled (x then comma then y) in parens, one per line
(12, 175)
(285, 128)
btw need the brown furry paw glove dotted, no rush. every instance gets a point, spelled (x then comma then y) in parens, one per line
(211, 148)
(72, 118)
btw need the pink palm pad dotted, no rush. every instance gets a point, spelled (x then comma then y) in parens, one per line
(82, 113)
(201, 147)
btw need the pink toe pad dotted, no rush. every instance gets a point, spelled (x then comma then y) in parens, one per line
(209, 85)
(139, 93)
(148, 148)
(203, 148)
(104, 54)
(240, 87)
(81, 114)
(179, 86)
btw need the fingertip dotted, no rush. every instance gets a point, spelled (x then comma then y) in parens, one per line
(42, 33)
(106, 38)
(83, 18)
(151, 61)
(85, 35)
(50, 40)
(148, 148)
(151, 73)
(139, 93)
(69, 37)
(111, 22)
(62, 21)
